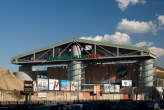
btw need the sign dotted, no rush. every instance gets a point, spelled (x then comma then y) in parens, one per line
(106, 88)
(53, 84)
(42, 95)
(96, 89)
(127, 83)
(86, 95)
(51, 58)
(92, 55)
(117, 88)
(64, 85)
(111, 88)
(42, 84)
(74, 86)
(28, 87)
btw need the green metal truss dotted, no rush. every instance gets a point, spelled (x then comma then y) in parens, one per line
(83, 41)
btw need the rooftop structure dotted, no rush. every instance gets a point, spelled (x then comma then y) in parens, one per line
(77, 53)
(94, 51)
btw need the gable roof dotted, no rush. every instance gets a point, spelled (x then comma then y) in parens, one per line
(112, 44)
(83, 41)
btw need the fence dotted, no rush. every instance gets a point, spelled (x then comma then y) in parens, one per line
(14, 97)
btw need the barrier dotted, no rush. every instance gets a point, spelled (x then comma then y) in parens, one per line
(43, 97)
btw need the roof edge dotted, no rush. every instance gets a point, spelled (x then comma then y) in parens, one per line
(41, 49)
(113, 45)
(85, 41)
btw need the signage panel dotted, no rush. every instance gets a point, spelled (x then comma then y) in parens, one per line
(64, 85)
(127, 83)
(74, 86)
(53, 84)
(28, 86)
(106, 88)
(96, 89)
(92, 55)
(111, 88)
(117, 88)
(42, 95)
(42, 84)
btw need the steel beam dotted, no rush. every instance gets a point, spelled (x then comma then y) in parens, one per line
(95, 49)
(118, 51)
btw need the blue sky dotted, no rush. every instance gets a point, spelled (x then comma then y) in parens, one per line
(26, 25)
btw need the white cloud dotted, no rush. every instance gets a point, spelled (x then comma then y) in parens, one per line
(161, 21)
(118, 38)
(144, 44)
(136, 26)
(123, 4)
(123, 38)
(158, 51)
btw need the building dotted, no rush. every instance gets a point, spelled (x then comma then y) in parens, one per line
(90, 62)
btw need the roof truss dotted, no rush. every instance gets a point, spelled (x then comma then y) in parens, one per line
(105, 51)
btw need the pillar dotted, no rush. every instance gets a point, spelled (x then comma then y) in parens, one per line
(148, 79)
(148, 72)
(75, 67)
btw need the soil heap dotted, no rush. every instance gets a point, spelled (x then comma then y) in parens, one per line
(160, 72)
(8, 81)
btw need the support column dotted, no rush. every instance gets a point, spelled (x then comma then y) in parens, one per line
(95, 52)
(148, 72)
(75, 67)
(118, 51)
(148, 77)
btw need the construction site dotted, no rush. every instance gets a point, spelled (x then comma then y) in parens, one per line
(84, 70)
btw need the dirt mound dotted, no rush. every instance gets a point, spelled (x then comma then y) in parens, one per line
(8, 81)
(160, 72)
